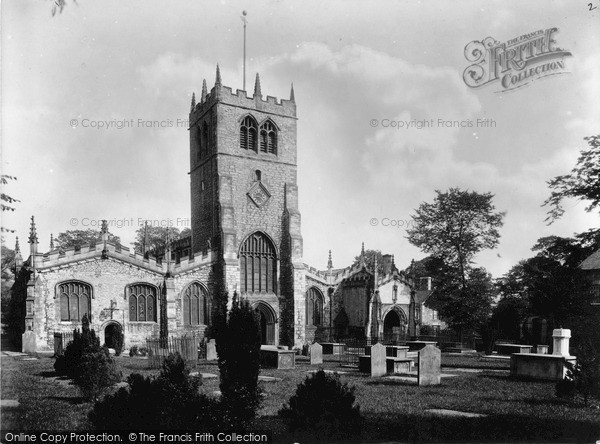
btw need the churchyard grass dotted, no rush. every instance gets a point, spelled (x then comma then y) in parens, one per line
(517, 410)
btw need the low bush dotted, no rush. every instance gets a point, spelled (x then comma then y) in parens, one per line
(133, 351)
(323, 407)
(98, 372)
(169, 402)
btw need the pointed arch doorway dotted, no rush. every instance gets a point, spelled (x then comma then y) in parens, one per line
(394, 325)
(268, 322)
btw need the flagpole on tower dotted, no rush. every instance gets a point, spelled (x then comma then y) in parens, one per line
(244, 13)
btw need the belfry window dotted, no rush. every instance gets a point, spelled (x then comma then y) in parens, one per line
(268, 138)
(258, 265)
(196, 306)
(142, 303)
(75, 300)
(248, 134)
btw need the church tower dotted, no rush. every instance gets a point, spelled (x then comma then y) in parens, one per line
(244, 201)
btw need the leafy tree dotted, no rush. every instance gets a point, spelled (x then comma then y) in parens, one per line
(582, 183)
(6, 200)
(465, 307)
(82, 238)
(238, 350)
(455, 227)
(551, 283)
(370, 256)
(156, 238)
(7, 278)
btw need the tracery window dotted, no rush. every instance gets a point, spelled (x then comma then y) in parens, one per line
(75, 300)
(248, 134)
(196, 306)
(258, 265)
(142, 303)
(268, 138)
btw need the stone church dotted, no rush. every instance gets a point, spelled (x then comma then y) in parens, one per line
(245, 239)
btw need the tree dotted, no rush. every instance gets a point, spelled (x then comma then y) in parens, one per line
(81, 238)
(370, 256)
(155, 238)
(7, 278)
(551, 283)
(455, 227)
(7, 200)
(238, 350)
(582, 183)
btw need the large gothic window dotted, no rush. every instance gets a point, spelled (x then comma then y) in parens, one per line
(268, 138)
(196, 306)
(142, 303)
(75, 300)
(314, 307)
(258, 265)
(248, 134)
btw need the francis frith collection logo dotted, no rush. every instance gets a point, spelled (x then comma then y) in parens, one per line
(516, 62)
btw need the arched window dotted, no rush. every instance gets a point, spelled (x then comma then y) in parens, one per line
(75, 300)
(248, 134)
(196, 306)
(142, 303)
(258, 265)
(314, 307)
(268, 138)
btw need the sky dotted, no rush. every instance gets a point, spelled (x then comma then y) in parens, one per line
(359, 68)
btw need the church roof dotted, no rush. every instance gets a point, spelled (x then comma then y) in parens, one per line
(592, 262)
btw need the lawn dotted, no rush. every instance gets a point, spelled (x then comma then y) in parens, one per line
(517, 410)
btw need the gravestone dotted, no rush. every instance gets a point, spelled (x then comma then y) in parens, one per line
(28, 342)
(316, 354)
(378, 360)
(561, 338)
(211, 350)
(430, 365)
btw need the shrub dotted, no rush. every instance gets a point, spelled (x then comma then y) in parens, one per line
(133, 350)
(97, 372)
(83, 342)
(119, 340)
(168, 402)
(238, 349)
(583, 378)
(323, 406)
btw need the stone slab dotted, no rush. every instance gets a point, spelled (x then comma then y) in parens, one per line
(508, 349)
(9, 403)
(211, 350)
(14, 354)
(331, 348)
(269, 379)
(29, 359)
(28, 342)
(276, 358)
(456, 413)
(378, 360)
(430, 365)
(328, 371)
(316, 354)
(537, 366)
(208, 375)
